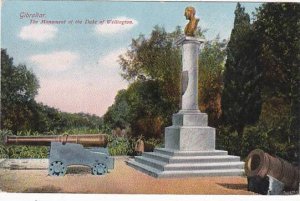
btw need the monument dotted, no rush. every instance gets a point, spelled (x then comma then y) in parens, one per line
(189, 143)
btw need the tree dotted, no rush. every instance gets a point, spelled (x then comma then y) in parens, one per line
(19, 110)
(241, 100)
(278, 28)
(118, 115)
(18, 88)
(211, 66)
(158, 60)
(152, 66)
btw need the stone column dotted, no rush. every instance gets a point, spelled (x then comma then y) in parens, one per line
(190, 53)
(189, 130)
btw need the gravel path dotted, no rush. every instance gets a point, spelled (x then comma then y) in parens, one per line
(121, 180)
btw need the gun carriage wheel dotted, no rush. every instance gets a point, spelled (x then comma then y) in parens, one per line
(99, 169)
(57, 168)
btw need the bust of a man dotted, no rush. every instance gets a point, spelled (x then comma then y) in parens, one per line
(191, 27)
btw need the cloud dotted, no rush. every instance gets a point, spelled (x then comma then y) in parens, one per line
(117, 25)
(38, 32)
(111, 58)
(80, 93)
(55, 61)
(89, 88)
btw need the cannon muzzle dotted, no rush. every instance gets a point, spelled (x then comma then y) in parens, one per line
(259, 163)
(88, 140)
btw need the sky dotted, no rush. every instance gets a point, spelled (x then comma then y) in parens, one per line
(76, 63)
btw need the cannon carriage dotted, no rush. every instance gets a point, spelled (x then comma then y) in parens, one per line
(67, 150)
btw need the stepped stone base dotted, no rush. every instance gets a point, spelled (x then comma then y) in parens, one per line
(189, 151)
(168, 163)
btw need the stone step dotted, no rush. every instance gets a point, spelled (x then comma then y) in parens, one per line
(171, 152)
(184, 173)
(204, 166)
(143, 168)
(157, 156)
(187, 166)
(191, 159)
(150, 162)
(202, 173)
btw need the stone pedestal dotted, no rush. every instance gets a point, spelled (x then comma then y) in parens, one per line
(189, 142)
(190, 132)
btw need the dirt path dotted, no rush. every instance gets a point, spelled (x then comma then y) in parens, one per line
(121, 180)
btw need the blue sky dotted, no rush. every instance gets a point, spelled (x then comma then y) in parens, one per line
(76, 64)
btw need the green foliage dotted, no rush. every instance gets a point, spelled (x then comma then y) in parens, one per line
(155, 60)
(153, 142)
(3, 149)
(120, 146)
(227, 139)
(260, 136)
(20, 151)
(47, 119)
(18, 89)
(152, 65)
(254, 137)
(20, 112)
(277, 121)
(143, 106)
(241, 99)
(18, 84)
(147, 108)
(211, 66)
(118, 115)
(275, 140)
(125, 145)
(261, 83)
(278, 26)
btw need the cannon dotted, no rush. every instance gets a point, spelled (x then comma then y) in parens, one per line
(66, 150)
(269, 175)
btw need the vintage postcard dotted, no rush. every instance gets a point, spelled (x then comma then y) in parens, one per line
(149, 97)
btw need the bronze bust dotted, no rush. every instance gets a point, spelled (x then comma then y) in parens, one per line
(191, 27)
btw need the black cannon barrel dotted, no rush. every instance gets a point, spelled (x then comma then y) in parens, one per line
(259, 163)
(88, 140)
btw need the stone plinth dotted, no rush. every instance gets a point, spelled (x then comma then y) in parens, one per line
(189, 143)
(190, 132)
(190, 138)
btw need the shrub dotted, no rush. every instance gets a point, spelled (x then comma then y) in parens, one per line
(151, 143)
(254, 138)
(227, 139)
(20, 151)
(275, 140)
(120, 146)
